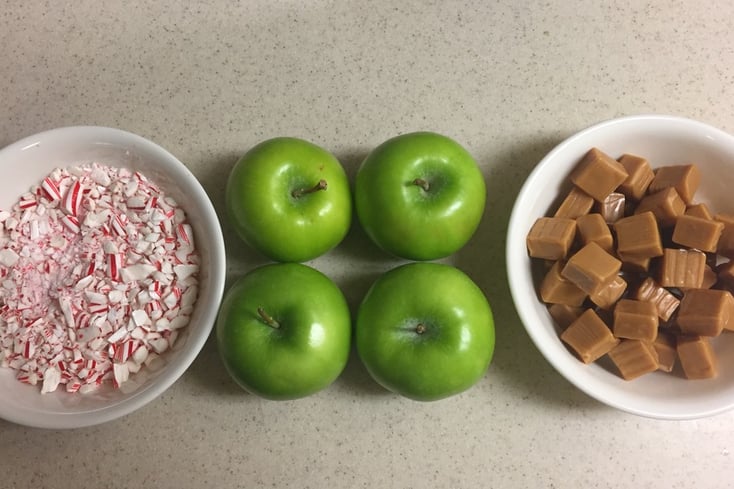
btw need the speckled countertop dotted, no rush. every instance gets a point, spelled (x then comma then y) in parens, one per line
(509, 79)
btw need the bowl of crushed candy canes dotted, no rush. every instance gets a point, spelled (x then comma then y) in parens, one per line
(112, 268)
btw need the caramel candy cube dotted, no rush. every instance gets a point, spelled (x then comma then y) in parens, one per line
(685, 179)
(725, 275)
(665, 346)
(696, 232)
(704, 312)
(725, 245)
(638, 235)
(551, 238)
(593, 228)
(576, 204)
(557, 290)
(665, 302)
(564, 315)
(697, 357)
(729, 326)
(634, 358)
(591, 267)
(589, 337)
(724, 217)
(640, 174)
(699, 210)
(598, 174)
(666, 205)
(634, 263)
(612, 207)
(710, 277)
(635, 320)
(608, 294)
(682, 268)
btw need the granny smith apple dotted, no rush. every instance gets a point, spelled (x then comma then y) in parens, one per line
(289, 199)
(420, 196)
(284, 331)
(425, 330)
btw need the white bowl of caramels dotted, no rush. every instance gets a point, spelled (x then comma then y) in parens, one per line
(620, 257)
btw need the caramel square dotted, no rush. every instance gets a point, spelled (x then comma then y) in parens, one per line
(593, 228)
(576, 204)
(551, 238)
(699, 210)
(598, 174)
(665, 302)
(638, 235)
(685, 179)
(640, 174)
(634, 263)
(612, 207)
(665, 346)
(704, 312)
(697, 357)
(634, 358)
(725, 275)
(725, 245)
(729, 326)
(724, 217)
(710, 277)
(557, 290)
(696, 232)
(608, 294)
(635, 320)
(589, 337)
(591, 267)
(666, 205)
(564, 315)
(682, 268)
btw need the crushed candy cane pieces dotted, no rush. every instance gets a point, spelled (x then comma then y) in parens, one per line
(98, 273)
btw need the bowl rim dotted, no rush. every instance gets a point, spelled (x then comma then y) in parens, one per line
(517, 290)
(217, 274)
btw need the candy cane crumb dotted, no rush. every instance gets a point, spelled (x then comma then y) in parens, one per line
(98, 273)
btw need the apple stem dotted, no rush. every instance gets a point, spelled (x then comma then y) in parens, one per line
(299, 192)
(420, 328)
(268, 318)
(422, 183)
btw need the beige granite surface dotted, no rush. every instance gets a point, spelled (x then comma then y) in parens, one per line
(509, 79)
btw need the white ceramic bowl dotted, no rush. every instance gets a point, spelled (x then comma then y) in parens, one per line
(663, 140)
(24, 164)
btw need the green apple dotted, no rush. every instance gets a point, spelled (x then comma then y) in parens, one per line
(284, 331)
(289, 199)
(420, 196)
(426, 331)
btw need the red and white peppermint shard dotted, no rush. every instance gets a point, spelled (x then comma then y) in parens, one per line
(27, 201)
(73, 198)
(51, 190)
(118, 225)
(185, 235)
(114, 265)
(71, 223)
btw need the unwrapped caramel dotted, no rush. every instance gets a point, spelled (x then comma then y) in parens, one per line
(697, 357)
(550, 238)
(634, 358)
(591, 268)
(637, 269)
(598, 175)
(640, 174)
(589, 337)
(636, 320)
